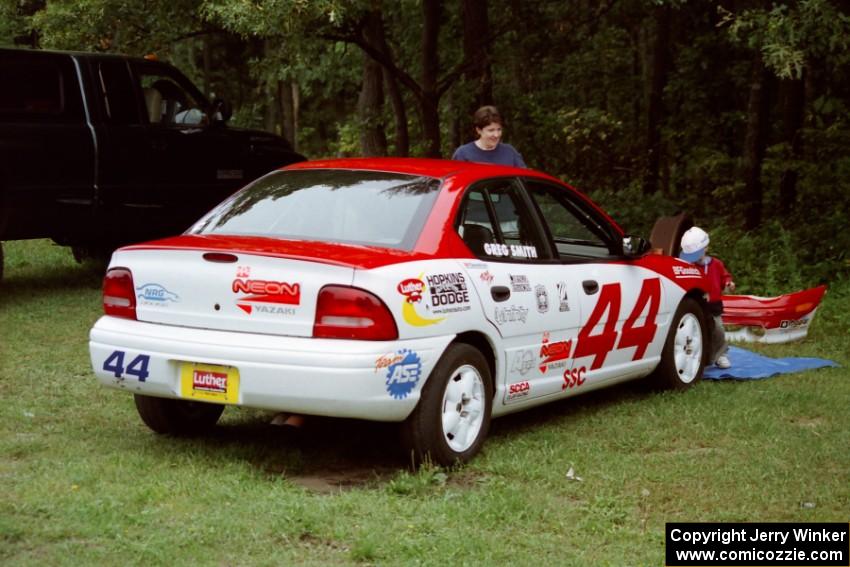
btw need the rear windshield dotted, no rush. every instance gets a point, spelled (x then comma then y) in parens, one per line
(356, 207)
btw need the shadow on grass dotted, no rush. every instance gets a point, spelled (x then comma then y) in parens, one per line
(329, 454)
(18, 284)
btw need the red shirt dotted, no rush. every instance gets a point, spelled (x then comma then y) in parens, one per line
(718, 277)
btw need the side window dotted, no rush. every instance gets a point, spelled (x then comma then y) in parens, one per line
(496, 223)
(577, 234)
(119, 100)
(37, 89)
(167, 100)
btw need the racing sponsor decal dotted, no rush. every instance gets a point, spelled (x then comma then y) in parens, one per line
(155, 294)
(449, 293)
(385, 360)
(510, 314)
(523, 362)
(519, 283)
(243, 271)
(487, 277)
(784, 324)
(686, 272)
(265, 292)
(573, 378)
(562, 297)
(510, 250)
(519, 390)
(553, 354)
(403, 374)
(412, 289)
(208, 381)
(542, 298)
(475, 265)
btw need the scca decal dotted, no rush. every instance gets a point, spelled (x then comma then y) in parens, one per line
(573, 378)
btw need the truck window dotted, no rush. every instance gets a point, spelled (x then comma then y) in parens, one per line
(167, 100)
(38, 90)
(119, 100)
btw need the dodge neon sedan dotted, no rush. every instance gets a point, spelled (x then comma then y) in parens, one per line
(437, 294)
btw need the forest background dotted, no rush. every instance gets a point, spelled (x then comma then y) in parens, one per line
(734, 111)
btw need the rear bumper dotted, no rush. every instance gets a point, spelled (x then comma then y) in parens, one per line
(339, 378)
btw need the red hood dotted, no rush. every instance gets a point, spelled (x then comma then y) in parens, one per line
(350, 255)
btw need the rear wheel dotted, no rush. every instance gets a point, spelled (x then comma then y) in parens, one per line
(452, 419)
(177, 417)
(686, 349)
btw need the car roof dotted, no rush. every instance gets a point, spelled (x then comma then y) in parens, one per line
(437, 168)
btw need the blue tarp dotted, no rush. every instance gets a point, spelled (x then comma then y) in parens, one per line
(747, 365)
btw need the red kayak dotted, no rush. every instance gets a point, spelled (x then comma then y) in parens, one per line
(770, 319)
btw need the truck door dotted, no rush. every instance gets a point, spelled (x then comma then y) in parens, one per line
(47, 154)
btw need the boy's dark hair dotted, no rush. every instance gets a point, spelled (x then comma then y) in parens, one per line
(487, 115)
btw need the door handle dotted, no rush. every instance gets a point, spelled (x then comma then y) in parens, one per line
(590, 286)
(500, 293)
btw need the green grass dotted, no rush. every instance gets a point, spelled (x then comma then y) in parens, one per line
(84, 482)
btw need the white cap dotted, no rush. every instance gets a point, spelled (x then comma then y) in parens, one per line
(694, 242)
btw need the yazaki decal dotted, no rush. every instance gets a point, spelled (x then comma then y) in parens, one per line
(553, 354)
(412, 289)
(510, 250)
(267, 296)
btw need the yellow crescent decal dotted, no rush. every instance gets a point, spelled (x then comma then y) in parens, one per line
(412, 317)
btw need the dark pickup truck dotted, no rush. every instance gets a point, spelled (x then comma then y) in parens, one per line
(101, 150)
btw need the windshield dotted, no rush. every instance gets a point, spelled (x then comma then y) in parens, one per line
(357, 207)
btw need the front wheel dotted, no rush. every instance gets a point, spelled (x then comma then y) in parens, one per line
(177, 417)
(452, 419)
(686, 350)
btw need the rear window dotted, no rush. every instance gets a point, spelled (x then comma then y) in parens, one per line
(355, 207)
(38, 89)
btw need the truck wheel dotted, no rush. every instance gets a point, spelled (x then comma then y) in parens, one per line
(177, 417)
(452, 419)
(686, 350)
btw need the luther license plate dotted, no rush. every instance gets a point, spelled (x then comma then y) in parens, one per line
(209, 382)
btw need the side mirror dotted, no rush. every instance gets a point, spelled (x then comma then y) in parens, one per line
(221, 110)
(635, 246)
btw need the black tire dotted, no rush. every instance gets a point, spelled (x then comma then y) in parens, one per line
(686, 346)
(423, 433)
(177, 417)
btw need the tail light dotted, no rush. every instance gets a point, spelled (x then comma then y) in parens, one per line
(119, 294)
(351, 313)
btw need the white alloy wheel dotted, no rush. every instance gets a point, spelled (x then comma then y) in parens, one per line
(687, 348)
(463, 408)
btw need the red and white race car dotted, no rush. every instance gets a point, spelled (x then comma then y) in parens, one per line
(434, 293)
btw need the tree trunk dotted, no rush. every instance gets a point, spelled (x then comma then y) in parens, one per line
(271, 90)
(370, 103)
(655, 108)
(402, 138)
(429, 101)
(285, 91)
(758, 110)
(793, 102)
(476, 30)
